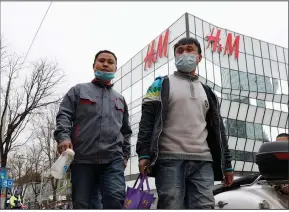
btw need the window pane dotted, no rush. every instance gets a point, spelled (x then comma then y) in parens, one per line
(225, 108)
(284, 86)
(267, 68)
(244, 81)
(137, 74)
(258, 131)
(269, 86)
(233, 110)
(232, 127)
(282, 70)
(126, 81)
(272, 50)
(136, 60)
(217, 75)
(137, 90)
(286, 55)
(259, 115)
(235, 80)
(241, 126)
(275, 118)
(259, 65)
(250, 64)
(127, 95)
(261, 83)
(192, 24)
(250, 130)
(252, 82)
(242, 62)
(126, 68)
(275, 70)
(267, 117)
(117, 74)
(266, 133)
(225, 75)
(242, 112)
(283, 119)
(256, 47)
(265, 52)
(280, 54)
(233, 63)
(251, 113)
(199, 27)
(248, 45)
(240, 143)
(224, 60)
(277, 86)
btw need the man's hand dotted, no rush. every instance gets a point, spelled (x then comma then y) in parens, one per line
(66, 144)
(143, 165)
(228, 179)
(124, 163)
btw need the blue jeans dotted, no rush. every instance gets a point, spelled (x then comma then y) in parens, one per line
(96, 199)
(110, 178)
(185, 184)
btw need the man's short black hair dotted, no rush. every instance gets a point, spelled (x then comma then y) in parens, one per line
(185, 41)
(283, 135)
(104, 51)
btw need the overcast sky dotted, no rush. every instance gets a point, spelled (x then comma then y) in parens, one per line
(74, 31)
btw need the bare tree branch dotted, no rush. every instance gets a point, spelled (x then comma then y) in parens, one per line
(23, 97)
(43, 131)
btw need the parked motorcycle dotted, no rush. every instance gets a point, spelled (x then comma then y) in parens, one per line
(266, 190)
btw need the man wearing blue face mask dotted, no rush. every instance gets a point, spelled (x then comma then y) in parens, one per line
(181, 140)
(93, 120)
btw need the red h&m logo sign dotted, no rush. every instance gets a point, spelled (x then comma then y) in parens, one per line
(230, 47)
(162, 50)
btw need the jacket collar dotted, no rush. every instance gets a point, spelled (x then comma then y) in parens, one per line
(101, 84)
(186, 76)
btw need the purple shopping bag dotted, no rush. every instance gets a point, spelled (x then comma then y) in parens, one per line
(136, 198)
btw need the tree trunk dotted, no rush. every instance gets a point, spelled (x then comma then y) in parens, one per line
(4, 160)
(54, 195)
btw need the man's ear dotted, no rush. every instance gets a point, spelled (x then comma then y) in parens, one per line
(200, 57)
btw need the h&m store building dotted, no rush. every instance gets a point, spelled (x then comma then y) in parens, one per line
(249, 76)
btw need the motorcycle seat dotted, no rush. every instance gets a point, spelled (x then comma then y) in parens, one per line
(236, 184)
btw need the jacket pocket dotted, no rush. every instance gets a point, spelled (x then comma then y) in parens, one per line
(118, 109)
(88, 104)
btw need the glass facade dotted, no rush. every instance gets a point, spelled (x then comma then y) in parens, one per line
(252, 89)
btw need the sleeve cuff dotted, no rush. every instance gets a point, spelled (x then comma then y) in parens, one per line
(228, 170)
(144, 157)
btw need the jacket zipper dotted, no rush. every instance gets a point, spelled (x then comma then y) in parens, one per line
(157, 152)
(221, 144)
(103, 90)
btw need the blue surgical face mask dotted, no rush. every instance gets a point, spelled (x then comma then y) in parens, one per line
(186, 63)
(102, 75)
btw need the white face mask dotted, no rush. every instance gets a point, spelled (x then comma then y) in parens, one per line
(186, 63)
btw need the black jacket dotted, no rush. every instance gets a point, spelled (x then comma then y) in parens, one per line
(154, 113)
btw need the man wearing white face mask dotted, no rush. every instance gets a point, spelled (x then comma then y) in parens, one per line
(181, 140)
